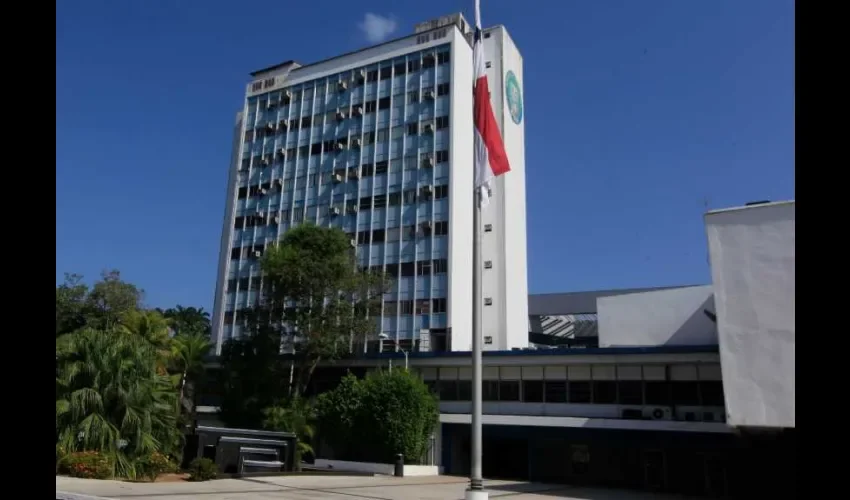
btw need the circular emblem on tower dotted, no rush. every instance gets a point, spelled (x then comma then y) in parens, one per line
(513, 94)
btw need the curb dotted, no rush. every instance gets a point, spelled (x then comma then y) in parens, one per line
(67, 495)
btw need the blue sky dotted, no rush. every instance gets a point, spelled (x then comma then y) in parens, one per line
(639, 114)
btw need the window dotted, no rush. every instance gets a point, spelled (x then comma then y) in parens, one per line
(406, 306)
(407, 269)
(488, 228)
(249, 135)
(363, 238)
(381, 166)
(412, 128)
(413, 97)
(423, 268)
(412, 65)
(382, 134)
(490, 390)
(392, 234)
(448, 390)
(579, 391)
(438, 306)
(366, 203)
(380, 200)
(509, 390)
(441, 191)
(441, 266)
(367, 170)
(306, 122)
(384, 103)
(488, 65)
(443, 57)
(369, 138)
(238, 222)
(428, 61)
(394, 199)
(532, 391)
(256, 86)
(630, 392)
(378, 236)
(408, 233)
(657, 392)
(371, 106)
(464, 390)
(441, 228)
(685, 393)
(399, 69)
(442, 122)
(235, 253)
(372, 75)
(386, 72)
(423, 306)
(316, 148)
(443, 89)
(711, 392)
(242, 193)
(604, 392)
(442, 156)
(556, 391)
(410, 197)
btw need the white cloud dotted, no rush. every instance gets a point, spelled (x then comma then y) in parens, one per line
(377, 28)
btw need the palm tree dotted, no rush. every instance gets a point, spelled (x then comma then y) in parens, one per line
(153, 328)
(188, 351)
(298, 417)
(189, 320)
(111, 398)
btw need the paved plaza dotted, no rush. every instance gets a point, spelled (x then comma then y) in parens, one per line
(331, 488)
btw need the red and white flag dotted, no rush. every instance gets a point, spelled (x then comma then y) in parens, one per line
(490, 157)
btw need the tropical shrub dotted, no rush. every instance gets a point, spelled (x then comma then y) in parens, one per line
(154, 464)
(202, 469)
(296, 416)
(88, 465)
(375, 418)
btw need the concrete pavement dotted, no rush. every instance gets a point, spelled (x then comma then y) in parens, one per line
(329, 487)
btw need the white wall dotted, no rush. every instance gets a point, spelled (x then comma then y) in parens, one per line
(459, 311)
(506, 283)
(226, 237)
(752, 252)
(659, 317)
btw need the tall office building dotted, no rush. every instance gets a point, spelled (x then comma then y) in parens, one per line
(379, 142)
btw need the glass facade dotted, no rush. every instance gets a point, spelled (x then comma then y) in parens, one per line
(365, 150)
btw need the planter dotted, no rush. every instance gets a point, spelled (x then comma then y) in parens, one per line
(376, 468)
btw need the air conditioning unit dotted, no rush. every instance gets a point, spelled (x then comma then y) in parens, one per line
(658, 413)
(260, 215)
(488, 301)
(358, 110)
(428, 162)
(428, 94)
(428, 128)
(427, 190)
(278, 182)
(360, 74)
(287, 93)
(353, 243)
(281, 152)
(339, 146)
(333, 210)
(337, 177)
(276, 219)
(258, 254)
(352, 209)
(342, 86)
(265, 161)
(488, 264)
(355, 143)
(340, 115)
(354, 173)
(262, 192)
(270, 126)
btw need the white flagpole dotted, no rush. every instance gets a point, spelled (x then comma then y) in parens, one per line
(476, 482)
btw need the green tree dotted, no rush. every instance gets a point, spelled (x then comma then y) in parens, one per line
(375, 418)
(315, 302)
(71, 304)
(110, 398)
(110, 300)
(319, 297)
